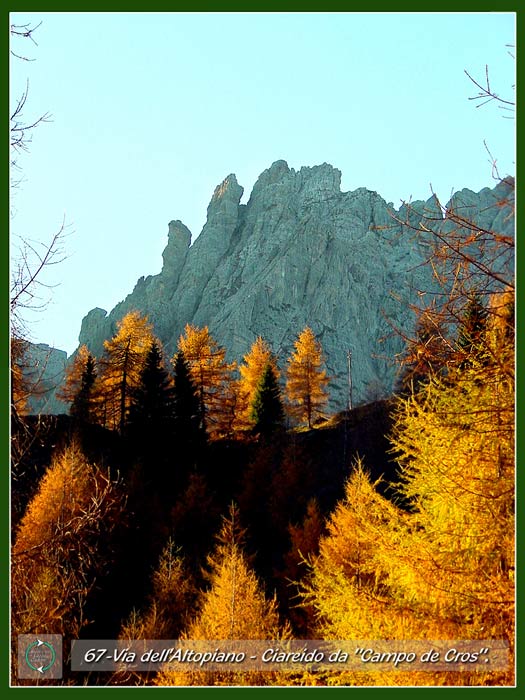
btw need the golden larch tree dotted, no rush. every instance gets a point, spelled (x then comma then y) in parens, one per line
(211, 376)
(445, 569)
(122, 364)
(234, 608)
(251, 371)
(169, 608)
(62, 545)
(304, 541)
(306, 380)
(170, 602)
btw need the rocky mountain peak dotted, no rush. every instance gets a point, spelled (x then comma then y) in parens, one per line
(277, 172)
(174, 254)
(301, 252)
(321, 179)
(179, 234)
(92, 324)
(226, 195)
(309, 184)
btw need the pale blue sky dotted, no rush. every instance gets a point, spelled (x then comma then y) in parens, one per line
(152, 111)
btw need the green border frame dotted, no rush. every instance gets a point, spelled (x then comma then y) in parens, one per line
(232, 6)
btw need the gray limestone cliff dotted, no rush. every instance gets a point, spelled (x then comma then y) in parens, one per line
(44, 368)
(300, 252)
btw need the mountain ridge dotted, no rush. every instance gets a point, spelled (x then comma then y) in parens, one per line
(299, 252)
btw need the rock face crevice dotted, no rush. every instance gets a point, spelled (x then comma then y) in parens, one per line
(299, 252)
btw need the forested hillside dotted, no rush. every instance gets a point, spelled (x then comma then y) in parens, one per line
(185, 497)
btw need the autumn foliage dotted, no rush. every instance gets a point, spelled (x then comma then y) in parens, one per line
(324, 551)
(210, 373)
(63, 545)
(306, 379)
(234, 608)
(122, 364)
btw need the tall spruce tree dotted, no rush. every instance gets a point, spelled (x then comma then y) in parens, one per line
(82, 406)
(189, 424)
(151, 413)
(267, 413)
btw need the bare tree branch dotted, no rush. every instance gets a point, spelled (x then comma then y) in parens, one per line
(27, 277)
(20, 138)
(486, 93)
(24, 31)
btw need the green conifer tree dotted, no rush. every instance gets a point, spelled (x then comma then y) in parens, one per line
(267, 412)
(82, 406)
(187, 407)
(188, 420)
(151, 411)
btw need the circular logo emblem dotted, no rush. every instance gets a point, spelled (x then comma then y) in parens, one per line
(40, 656)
